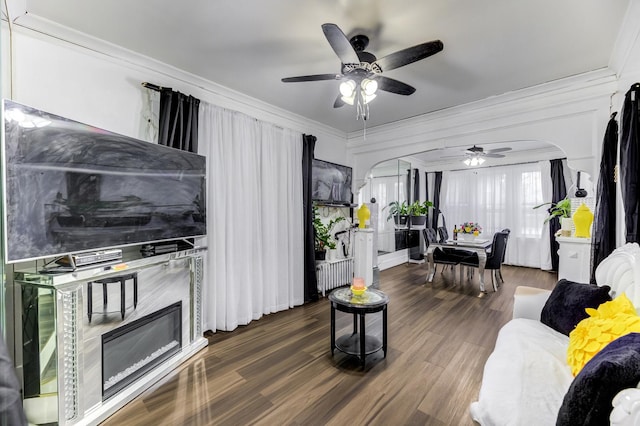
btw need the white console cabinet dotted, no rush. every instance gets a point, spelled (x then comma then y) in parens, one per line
(575, 259)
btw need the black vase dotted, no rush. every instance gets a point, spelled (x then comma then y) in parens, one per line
(321, 254)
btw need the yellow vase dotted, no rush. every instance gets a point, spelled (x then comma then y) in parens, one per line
(363, 215)
(582, 220)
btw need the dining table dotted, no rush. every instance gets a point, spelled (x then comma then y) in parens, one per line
(476, 245)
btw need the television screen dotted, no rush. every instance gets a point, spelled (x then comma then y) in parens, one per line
(331, 183)
(70, 187)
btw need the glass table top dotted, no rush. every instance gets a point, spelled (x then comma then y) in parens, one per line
(370, 298)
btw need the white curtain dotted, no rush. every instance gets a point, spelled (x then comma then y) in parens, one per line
(498, 198)
(254, 217)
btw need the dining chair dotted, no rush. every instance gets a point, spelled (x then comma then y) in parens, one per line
(443, 234)
(494, 259)
(440, 256)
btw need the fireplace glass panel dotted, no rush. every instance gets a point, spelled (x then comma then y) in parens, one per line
(130, 351)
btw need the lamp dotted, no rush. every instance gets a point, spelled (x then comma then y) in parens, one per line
(473, 161)
(359, 93)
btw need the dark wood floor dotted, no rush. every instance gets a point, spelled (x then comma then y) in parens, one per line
(279, 370)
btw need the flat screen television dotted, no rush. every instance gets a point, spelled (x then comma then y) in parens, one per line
(331, 183)
(70, 187)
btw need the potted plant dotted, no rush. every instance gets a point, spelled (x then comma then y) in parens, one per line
(323, 234)
(418, 213)
(399, 212)
(561, 210)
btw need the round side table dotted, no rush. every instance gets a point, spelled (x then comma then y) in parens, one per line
(358, 343)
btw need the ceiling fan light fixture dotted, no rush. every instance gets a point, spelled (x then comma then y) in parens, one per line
(347, 89)
(480, 160)
(369, 87)
(349, 100)
(467, 161)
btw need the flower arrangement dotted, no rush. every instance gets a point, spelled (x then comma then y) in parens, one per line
(470, 228)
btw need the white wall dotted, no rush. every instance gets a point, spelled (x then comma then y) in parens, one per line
(91, 81)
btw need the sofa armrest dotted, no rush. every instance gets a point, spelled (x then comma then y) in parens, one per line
(626, 408)
(529, 301)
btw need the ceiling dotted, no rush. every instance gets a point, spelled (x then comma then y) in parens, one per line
(490, 47)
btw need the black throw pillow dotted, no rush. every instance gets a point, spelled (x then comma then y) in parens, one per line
(614, 368)
(565, 307)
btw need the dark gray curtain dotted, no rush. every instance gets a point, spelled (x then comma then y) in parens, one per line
(178, 126)
(437, 185)
(603, 239)
(629, 163)
(416, 185)
(426, 185)
(559, 193)
(310, 280)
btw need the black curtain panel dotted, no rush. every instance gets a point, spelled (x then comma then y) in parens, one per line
(426, 185)
(416, 185)
(629, 158)
(437, 185)
(559, 193)
(310, 280)
(603, 238)
(178, 126)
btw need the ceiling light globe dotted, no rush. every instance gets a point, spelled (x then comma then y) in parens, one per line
(369, 86)
(467, 161)
(480, 160)
(347, 88)
(474, 161)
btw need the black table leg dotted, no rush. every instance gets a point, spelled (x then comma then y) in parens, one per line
(384, 331)
(363, 354)
(122, 296)
(333, 328)
(135, 291)
(89, 301)
(355, 323)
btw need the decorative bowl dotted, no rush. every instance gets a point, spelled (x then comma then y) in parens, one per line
(358, 291)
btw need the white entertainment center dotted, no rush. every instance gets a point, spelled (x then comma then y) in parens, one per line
(65, 362)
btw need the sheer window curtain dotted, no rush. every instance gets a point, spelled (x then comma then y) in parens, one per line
(498, 198)
(255, 264)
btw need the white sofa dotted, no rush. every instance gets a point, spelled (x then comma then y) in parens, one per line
(527, 376)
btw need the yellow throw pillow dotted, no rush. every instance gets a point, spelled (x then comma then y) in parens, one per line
(605, 324)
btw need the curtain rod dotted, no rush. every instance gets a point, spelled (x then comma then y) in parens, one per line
(154, 87)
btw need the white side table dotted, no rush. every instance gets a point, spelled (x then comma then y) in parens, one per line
(575, 259)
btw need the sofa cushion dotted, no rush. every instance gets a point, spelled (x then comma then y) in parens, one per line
(605, 324)
(566, 305)
(614, 368)
(525, 377)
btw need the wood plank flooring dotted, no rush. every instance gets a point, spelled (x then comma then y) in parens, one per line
(279, 370)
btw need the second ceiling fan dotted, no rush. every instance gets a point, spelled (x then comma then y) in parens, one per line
(361, 71)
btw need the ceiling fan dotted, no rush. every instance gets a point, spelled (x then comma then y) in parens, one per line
(476, 151)
(361, 71)
(475, 155)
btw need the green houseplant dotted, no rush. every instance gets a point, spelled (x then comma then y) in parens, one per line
(560, 209)
(399, 212)
(418, 213)
(323, 234)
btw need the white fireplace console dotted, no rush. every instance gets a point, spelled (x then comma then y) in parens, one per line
(82, 359)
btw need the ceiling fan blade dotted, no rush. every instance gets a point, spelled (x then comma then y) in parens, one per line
(339, 102)
(394, 86)
(495, 151)
(315, 77)
(493, 155)
(340, 44)
(409, 55)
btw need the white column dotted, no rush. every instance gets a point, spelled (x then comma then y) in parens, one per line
(363, 255)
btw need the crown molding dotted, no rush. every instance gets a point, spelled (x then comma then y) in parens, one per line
(215, 93)
(547, 100)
